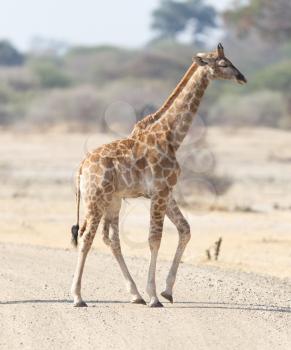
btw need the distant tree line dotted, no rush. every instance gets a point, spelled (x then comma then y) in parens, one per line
(54, 84)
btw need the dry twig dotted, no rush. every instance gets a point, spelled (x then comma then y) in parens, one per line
(216, 247)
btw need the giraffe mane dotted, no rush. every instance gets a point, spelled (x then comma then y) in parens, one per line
(151, 118)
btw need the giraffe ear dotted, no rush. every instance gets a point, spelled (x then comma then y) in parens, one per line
(220, 51)
(200, 61)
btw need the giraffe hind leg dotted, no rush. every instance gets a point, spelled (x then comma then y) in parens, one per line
(84, 247)
(110, 235)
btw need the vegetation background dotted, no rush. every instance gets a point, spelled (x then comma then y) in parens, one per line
(55, 85)
(57, 101)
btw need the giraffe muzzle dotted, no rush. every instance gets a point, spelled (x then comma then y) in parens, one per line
(240, 78)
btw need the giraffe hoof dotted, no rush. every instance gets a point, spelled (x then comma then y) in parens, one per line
(80, 304)
(138, 301)
(156, 304)
(167, 296)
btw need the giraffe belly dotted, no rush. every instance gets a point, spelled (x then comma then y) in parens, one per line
(131, 184)
(131, 190)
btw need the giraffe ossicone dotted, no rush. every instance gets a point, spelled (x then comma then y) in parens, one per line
(145, 164)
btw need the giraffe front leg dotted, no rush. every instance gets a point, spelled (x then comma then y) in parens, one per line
(136, 298)
(158, 210)
(85, 245)
(174, 214)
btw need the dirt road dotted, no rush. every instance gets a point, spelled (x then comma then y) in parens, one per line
(214, 308)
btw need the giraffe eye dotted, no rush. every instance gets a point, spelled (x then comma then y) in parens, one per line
(222, 64)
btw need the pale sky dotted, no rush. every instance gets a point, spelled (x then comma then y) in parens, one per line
(87, 22)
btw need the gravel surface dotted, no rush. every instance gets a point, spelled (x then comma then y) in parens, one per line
(213, 308)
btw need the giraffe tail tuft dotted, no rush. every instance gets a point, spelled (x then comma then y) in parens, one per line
(75, 232)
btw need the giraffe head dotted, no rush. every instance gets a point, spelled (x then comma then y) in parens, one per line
(218, 66)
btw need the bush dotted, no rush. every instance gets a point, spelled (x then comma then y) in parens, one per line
(275, 77)
(9, 108)
(98, 65)
(137, 93)
(50, 76)
(263, 108)
(18, 79)
(79, 108)
(8, 114)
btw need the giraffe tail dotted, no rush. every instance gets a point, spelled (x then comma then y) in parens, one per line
(75, 232)
(75, 228)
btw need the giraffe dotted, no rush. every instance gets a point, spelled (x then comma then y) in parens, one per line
(144, 164)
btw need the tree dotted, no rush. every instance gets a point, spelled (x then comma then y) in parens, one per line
(270, 18)
(9, 55)
(173, 17)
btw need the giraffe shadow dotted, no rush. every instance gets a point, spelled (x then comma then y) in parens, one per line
(59, 301)
(176, 305)
(231, 306)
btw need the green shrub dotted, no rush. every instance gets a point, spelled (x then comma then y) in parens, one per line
(274, 77)
(10, 110)
(263, 108)
(50, 76)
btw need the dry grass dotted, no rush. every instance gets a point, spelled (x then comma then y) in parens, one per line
(37, 203)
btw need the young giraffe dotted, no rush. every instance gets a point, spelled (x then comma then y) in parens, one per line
(145, 165)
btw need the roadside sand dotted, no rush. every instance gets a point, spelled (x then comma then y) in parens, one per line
(37, 203)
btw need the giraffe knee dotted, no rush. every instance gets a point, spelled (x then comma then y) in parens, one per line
(184, 231)
(106, 240)
(105, 237)
(105, 232)
(89, 234)
(155, 240)
(115, 245)
(114, 242)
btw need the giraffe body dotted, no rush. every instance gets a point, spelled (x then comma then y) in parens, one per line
(144, 164)
(128, 168)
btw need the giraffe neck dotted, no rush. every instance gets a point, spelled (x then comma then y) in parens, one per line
(152, 118)
(178, 118)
